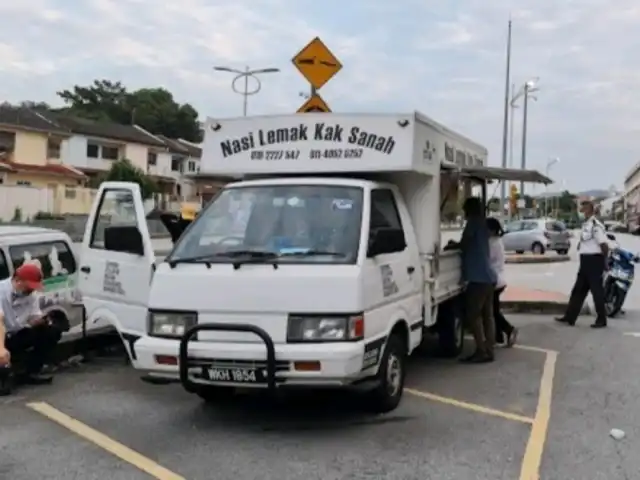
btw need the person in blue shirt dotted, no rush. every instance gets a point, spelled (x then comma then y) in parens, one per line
(480, 279)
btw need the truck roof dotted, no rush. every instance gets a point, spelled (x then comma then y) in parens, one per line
(8, 232)
(322, 143)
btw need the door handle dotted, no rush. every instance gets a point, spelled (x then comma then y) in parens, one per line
(85, 269)
(410, 270)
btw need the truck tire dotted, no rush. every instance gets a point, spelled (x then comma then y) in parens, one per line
(215, 394)
(387, 395)
(450, 329)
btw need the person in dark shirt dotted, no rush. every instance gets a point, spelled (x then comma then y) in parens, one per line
(480, 279)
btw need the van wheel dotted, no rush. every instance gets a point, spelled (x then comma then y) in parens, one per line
(215, 394)
(450, 329)
(537, 248)
(387, 395)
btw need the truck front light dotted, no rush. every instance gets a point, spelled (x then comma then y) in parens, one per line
(170, 324)
(325, 328)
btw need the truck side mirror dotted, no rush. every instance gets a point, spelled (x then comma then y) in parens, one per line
(124, 238)
(386, 240)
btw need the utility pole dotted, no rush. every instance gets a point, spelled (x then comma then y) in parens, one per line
(523, 163)
(505, 126)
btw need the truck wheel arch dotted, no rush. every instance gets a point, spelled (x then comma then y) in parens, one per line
(401, 328)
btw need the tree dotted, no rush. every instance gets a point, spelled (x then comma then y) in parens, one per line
(567, 202)
(154, 109)
(124, 171)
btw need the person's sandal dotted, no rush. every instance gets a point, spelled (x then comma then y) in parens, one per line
(512, 338)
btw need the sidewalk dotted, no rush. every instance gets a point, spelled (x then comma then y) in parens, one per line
(534, 258)
(526, 300)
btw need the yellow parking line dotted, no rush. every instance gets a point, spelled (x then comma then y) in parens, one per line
(99, 439)
(532, 348)
(532, 460)
(470, 406)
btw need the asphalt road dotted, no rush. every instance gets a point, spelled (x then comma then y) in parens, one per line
(434, 434)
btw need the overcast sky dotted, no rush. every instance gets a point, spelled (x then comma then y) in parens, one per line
(444, 58)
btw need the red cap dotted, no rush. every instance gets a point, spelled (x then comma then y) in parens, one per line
(31, 275)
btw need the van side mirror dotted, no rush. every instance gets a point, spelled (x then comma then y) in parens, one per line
(611, 237)
(124, 238)
(386, 240)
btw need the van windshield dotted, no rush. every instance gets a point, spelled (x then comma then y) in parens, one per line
(295, 223)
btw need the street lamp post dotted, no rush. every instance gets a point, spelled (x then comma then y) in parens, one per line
(550, 163)
(513, 106)
(528, 88)
(245, 75)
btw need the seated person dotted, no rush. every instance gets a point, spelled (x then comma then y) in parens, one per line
(26, 336)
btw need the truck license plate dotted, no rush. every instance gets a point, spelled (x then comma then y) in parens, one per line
(236, 375)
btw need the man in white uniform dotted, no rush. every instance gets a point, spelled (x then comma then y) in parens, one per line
(594, 249)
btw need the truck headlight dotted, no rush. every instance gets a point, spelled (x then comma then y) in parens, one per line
(170, 324)
(325, 328)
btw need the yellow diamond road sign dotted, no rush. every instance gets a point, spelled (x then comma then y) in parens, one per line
(314, 104)
(316, 63)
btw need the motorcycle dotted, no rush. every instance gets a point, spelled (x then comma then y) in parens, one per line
(619, 276)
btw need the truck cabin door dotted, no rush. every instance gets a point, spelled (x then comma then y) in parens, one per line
(393, 276)
(117, 262)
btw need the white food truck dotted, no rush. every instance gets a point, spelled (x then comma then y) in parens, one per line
(321, 267)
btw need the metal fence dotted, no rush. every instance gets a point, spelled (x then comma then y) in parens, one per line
(74, 226)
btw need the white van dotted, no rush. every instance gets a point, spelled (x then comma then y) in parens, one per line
(53, 251)
(323, 268)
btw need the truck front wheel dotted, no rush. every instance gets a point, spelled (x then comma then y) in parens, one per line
(387, 395)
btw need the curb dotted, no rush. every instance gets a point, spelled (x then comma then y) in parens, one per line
(546, 307)
(537, 258)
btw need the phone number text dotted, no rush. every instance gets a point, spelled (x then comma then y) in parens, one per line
(328, 153)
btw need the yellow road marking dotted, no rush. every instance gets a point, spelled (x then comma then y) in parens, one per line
(532, 348)
(99, 439)
(470, 406)
(532, 460)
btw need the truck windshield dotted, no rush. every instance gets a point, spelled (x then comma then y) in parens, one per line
(293, 223)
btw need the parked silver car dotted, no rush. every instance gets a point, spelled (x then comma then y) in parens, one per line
(537, 236)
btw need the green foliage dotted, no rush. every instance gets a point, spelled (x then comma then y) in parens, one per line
(47, 216)
(17, 215)
(154, 109)
(124, 171)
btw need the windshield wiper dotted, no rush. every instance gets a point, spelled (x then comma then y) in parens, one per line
(251, 254)
(305, 253)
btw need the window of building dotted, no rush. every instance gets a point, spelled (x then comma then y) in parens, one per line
(110, 153)
(70, 192)
(152, 158)
(7, 141)
(53, 148)
(192, 166)
(24, 183)
(93, 150)
(176, 163)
